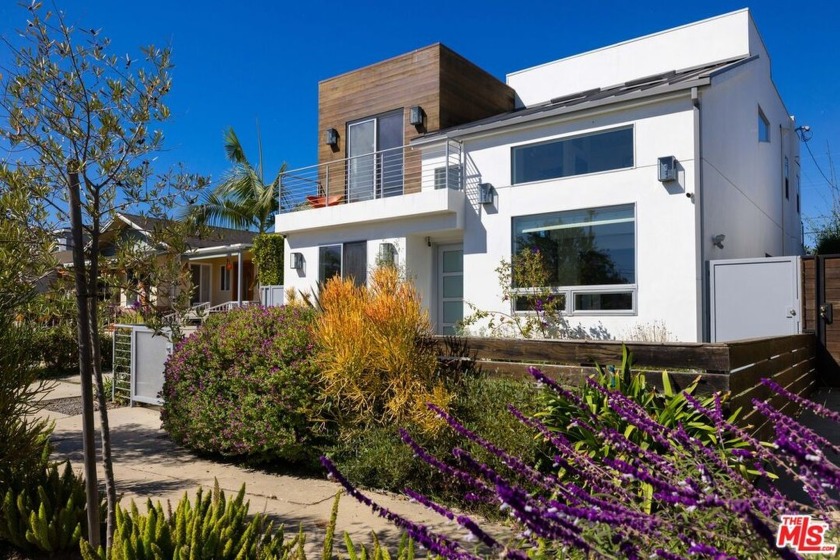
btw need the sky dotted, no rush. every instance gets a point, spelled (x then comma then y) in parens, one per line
(255, 65)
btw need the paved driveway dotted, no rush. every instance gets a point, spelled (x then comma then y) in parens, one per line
(148, 465)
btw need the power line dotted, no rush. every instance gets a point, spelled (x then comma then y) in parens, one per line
(827, 180)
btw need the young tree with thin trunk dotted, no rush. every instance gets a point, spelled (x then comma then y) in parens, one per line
(80, 126)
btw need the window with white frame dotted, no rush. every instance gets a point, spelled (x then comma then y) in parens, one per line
(590, 256)
(578, 155)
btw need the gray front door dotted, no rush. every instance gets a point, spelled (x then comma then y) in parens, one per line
(450, 287)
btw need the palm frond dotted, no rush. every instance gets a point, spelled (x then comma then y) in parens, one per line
(233, 148)
(224, 212)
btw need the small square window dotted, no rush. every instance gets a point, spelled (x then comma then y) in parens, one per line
(763, 127)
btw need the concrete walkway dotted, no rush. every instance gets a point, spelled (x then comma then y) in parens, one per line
(148, 465)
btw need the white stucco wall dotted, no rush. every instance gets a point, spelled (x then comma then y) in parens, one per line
(712, 40)
(409, 236)
(743, 182)
(665, 226)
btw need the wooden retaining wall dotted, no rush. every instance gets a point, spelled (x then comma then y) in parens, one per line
(732, 366)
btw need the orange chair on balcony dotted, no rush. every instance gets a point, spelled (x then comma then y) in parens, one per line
(321, 201)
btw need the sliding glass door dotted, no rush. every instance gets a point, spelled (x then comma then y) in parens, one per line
(375, 160)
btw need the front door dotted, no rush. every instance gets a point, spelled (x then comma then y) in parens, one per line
(450, 287)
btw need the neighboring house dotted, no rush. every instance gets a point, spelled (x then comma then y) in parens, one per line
(428, 160)
(220, 263)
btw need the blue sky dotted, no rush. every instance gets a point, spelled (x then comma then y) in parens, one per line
(242, 62)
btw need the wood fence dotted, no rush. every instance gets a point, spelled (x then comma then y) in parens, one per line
(737, 366)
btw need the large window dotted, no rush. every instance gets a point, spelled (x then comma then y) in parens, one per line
(347, 261)
(590, 255)
(565, 157)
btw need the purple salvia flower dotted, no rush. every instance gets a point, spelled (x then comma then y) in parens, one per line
(814, 407)
(421, 534)
(445, 469)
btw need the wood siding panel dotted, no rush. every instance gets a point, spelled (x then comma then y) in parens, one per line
(450, 89)
(706, 357)
(468, 93)
(809, 292)
(397, 83)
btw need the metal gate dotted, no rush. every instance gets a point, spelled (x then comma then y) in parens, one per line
(752, 298)
(139, 358)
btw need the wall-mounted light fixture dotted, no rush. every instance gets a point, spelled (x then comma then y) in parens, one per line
(416, 115)
(296, 261)
(718, 240)
(667, 169)
(387, 254)
(331, 137)
(485, 193)
(428, 241)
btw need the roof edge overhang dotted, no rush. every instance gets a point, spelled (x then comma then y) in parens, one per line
(652, 95)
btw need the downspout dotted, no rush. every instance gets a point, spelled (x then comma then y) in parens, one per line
(783, 189)
(703, 329)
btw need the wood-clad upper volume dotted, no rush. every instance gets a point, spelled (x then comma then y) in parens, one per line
(450, 89)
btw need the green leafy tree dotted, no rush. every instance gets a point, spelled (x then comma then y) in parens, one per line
(243, 199)
(81, 123)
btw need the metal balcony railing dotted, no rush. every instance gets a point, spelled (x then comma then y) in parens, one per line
(382, 174)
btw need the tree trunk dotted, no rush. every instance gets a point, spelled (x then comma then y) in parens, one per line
(105, 430)
(85, 357)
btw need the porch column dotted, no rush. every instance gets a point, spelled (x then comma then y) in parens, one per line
(239, 282)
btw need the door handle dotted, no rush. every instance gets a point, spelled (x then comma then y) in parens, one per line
(827, 313)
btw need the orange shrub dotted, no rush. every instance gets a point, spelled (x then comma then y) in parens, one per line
(374, 352)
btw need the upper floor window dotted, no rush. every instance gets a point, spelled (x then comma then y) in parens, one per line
(763, 127)
(565, 157)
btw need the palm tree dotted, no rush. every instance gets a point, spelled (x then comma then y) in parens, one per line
(243, 200)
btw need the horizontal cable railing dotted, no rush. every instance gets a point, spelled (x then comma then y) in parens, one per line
(382, 174)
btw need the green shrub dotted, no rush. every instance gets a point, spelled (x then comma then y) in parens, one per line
(23, 437)
(377, 457)
(575, 413)
(58, 347)
(245, 385)
(210, 527)
(268, 254)
(48, 515)
(215, 527)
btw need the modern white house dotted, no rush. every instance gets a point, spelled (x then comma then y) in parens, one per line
(628, 167)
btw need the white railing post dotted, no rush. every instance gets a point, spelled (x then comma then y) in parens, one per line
(446, 166)
(327, 185)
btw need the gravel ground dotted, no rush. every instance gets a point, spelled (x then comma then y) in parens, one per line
(71, 405)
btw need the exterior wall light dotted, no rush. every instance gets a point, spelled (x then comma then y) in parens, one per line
(485, 193)
(387, 254)
(416, 115)
(331, 137)
(296, 261)
(667, 169)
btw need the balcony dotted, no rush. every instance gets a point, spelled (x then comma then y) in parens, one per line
(404, 182)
